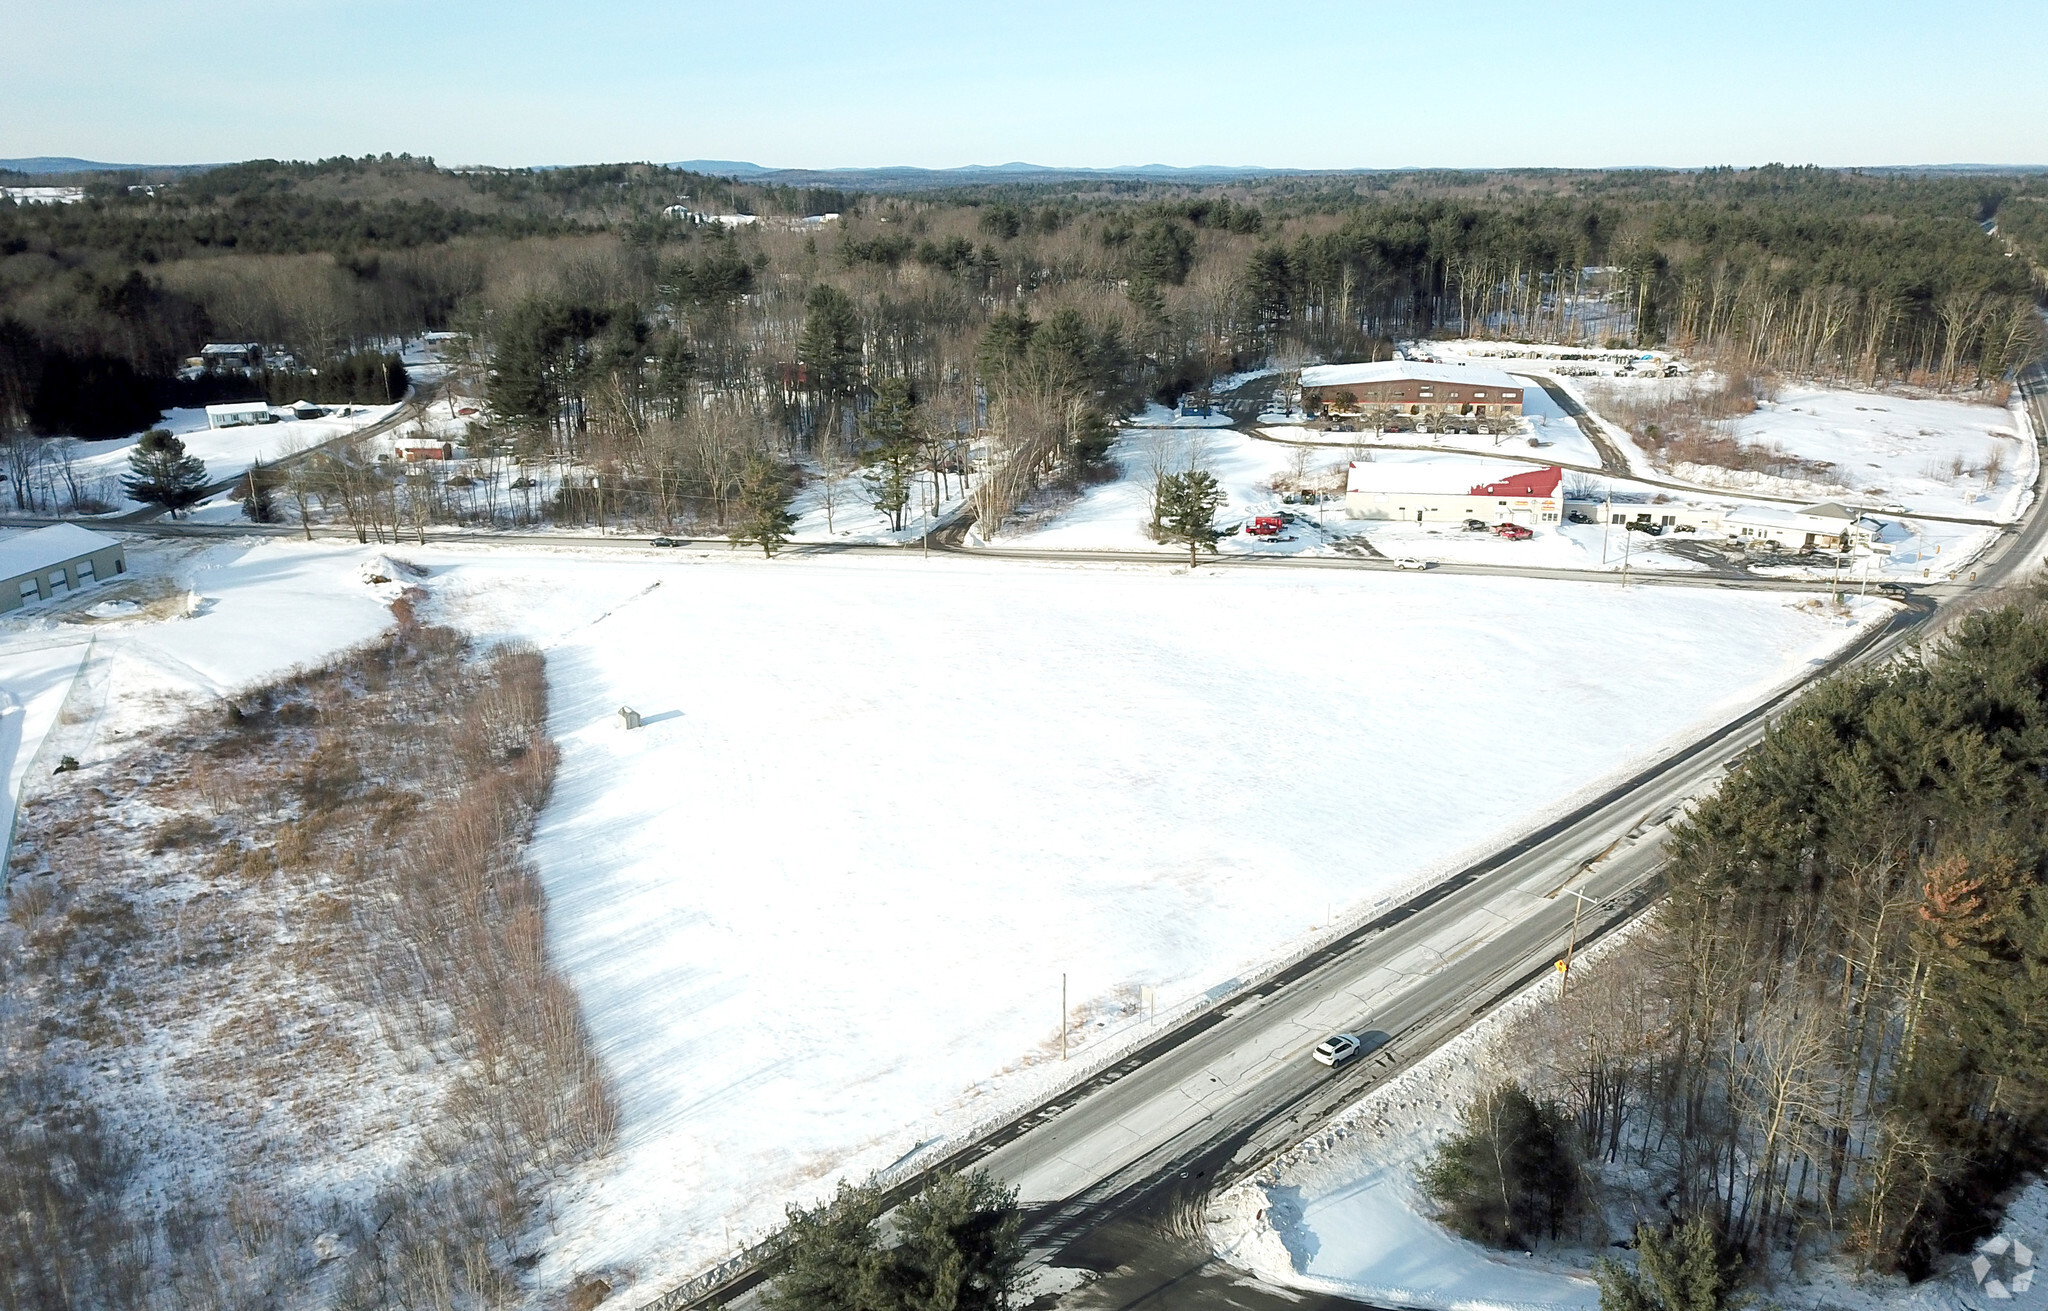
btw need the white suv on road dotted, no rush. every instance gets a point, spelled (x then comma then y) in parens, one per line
(1338, 1048)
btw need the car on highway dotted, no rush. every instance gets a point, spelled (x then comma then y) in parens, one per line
(665, 541)
(1410, 562)
(1897, 591)
(1338, 1048)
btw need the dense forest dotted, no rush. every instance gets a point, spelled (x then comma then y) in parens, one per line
(616, 335)
(1832, 1037)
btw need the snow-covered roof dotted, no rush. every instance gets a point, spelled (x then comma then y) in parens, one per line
(229, 348)
(25, 553)
(1439, 477)
(1827, 517)
(1352, 375)
(240, 407)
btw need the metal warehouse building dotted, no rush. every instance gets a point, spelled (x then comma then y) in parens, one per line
(1411, 388)
(54, 561)
(1444, 492)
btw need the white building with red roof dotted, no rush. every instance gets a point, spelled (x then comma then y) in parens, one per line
(1452, 491)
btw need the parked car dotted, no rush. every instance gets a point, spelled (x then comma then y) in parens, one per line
(1576, 517)
(1685, 528)
(1644, 526)
(1338, 1048)
(1410, 562)
(665, 541)
(1477, 525)
(1514, 532)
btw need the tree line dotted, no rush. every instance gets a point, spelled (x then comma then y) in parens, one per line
(563, 277)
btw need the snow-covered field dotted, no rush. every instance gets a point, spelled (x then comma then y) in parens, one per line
(1932, 456)
(818, 908)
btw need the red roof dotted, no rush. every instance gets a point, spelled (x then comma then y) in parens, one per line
(1536, 482)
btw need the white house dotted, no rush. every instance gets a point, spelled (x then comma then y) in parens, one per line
(36, 566)
(234, 414)
(1828, 525)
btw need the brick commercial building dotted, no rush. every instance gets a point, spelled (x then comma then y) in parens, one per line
(1406, 387)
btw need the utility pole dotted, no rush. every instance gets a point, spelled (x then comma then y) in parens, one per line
(1564, 967)
(1607, 528)
(1063, 1015)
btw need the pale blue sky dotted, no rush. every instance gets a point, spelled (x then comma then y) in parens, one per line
(799, 83)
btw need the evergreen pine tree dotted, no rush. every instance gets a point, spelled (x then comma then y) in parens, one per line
(832, 1258)
(161, 473)
(890, 429)
(259, 502)
(765, 519)
(959, 1248)
(1187, 510)
(1683, 1269)
(1507, 1177)
(830, 351)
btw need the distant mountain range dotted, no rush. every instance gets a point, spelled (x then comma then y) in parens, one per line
(63, 164)
(905, 176)
(908, 176)
(43, 165)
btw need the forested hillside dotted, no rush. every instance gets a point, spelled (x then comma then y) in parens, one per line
(662, 353)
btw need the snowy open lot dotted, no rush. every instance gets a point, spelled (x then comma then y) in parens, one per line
(1932, 456)
(819, 906)
(817, 909)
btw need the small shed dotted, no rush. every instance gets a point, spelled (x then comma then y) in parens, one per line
(236, 413)
(34, 566)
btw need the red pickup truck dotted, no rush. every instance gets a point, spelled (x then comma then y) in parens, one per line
(1514, 532)
(1265, 525)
